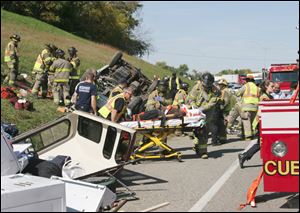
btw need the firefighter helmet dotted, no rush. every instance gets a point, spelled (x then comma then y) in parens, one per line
(223, 82)
(15, 37)
(162, 86)
(51, 47)
(207, 80)
(185, 86)
(60, 53)
(72, 51)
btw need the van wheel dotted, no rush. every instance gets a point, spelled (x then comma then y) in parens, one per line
(115, 59)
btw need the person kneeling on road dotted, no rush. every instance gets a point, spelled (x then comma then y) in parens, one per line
(85, 93)
(116, 106)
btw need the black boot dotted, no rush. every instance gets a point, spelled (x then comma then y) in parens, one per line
(242, 159)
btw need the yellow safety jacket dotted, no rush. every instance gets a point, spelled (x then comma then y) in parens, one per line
(11, 52)
(180, 97)
(117, 89)
(61, 69)
(43, 61)
(75, 73)
(110, 105)
(177, 83)
(250, 97)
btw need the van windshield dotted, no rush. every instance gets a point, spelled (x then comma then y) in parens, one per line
(285, 76)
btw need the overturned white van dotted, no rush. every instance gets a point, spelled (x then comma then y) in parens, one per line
(93, 143)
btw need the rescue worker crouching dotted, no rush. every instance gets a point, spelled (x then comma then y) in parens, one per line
(61, 69)
(11, 59)
(116, 106)
(41, 69)
(75, 73)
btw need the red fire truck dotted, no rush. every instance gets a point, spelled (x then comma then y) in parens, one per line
(279, 128)
(284, 74)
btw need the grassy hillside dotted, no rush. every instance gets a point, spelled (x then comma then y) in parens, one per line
(34, 34)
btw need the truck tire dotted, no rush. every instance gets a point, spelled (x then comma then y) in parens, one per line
(135, 105)
(115, 59)
(152, 87)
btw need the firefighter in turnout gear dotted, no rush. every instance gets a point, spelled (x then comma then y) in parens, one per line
(158, 98)
(115, 107)
(11, 58)
(75, 73)
(250, 98)
(181, 95)
(174, 84)
(193, 94)
(207, 101)
(227, 102)
(61, 69)
(41, 69)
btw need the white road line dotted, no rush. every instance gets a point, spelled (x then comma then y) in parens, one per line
(199, 206)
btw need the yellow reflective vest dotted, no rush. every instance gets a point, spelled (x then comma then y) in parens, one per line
(250, 97)
(117, 89)
(110, 105)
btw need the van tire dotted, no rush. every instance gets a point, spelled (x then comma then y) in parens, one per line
(115, 59)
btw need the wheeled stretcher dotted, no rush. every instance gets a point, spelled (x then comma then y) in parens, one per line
(155, 133)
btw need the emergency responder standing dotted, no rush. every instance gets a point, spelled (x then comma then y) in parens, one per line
(267, 88)
(227, 101)
(157, 99)
(174, 84)
(61, 69)
(207, 101)
(193, 94)
(181, 95)
(41, 69)
(85, 94)
(115, 107)
(75, 73)
(11, 58)
(119, 88)
(250, 98)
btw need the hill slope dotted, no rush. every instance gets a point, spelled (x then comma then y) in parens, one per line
(34, 34)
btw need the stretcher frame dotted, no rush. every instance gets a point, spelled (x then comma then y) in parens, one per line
(157, 135)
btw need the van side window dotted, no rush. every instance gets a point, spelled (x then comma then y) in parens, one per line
(51, 135)
(89, 129)
(109, 142)
(122, 150)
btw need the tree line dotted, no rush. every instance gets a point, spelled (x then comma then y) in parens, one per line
(183, 70)
(110, 22)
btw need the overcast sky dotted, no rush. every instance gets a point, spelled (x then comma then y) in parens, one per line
(212, 36)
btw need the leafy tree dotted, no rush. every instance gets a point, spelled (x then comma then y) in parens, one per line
(109, 22)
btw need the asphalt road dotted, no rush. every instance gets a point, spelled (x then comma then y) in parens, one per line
(213, 185)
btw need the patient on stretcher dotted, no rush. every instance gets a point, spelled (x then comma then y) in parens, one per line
(169, 117)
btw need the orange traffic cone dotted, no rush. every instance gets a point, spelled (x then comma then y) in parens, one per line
(252, 192)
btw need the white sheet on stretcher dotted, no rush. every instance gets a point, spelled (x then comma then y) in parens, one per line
(192, 121)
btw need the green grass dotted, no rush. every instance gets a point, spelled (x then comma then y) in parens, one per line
(34, 34)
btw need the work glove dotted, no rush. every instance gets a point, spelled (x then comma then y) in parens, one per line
(159, 98)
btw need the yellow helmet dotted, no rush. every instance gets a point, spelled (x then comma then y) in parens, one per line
(223, 81)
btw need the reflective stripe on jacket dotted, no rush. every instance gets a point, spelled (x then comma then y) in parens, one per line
(180, 98)
(11, 52)
(75, 73)
(61, 69)
(117, 89)
(110, 105)
(177, 83)
(250, 97)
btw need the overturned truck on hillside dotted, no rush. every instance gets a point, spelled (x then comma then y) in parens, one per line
(117, 70)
